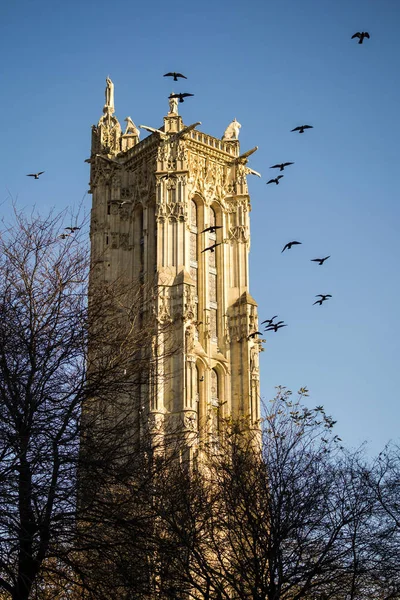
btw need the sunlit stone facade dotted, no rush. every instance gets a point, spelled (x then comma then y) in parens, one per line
(152, 200)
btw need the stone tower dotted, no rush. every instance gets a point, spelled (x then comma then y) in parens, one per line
(172, 211)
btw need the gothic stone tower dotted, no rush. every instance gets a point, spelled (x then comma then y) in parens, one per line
(152, 201)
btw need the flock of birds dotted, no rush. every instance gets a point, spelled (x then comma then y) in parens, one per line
(181, 97)
(270, 324)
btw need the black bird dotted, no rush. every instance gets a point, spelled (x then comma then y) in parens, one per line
(269, 321)
(253, 335)
(180, 96)
(276, 180)
(281, 166)
(174, 75)
(289, 245)
(35, 175)
(64, 235)
(72, 229)
(301, 128)
(361, 35)
(211, 248)
(275, 326)
(320, 261)
(212, 228)
(322, 298)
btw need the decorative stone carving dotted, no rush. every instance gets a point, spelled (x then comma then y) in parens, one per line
(240, 183)
(182, 179)
(126, 192)
(181, 152)
(115, 187)
(102, 171)
(189, 310)
(189, 339)
(131, 128)
(156, 422)
(190, 420)
(125, 211)
(114, 240)
(109, 133)
(162, 152)
(238, 327)
(226, 330)
(238, 233)
(164, 308)
(207, 327)
(169, 205)
(171, 164)
(124, 241)
(173, 105)
(254, 368)
(232, 131)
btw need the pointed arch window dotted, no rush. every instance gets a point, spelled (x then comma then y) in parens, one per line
(212, 281)
(139, 242)
(215, 404)
(193, 247)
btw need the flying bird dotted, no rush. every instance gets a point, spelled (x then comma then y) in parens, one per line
(276, 180)
(253, 335)
(211, 248)
(35, 175)
(72, 229)
(269, 321)
(64, 235)
(289, 245)
(320, 261)
(322, 298)
(275, 326)
(174, 75)
(212, 228)
(301, 128)
(180, 96)
(281, 166)
(360, 35)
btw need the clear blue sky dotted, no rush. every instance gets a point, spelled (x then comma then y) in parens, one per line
(273, 66)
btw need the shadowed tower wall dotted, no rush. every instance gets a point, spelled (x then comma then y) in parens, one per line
(152, 200)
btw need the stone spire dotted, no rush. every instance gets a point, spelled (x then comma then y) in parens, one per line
(106, 136)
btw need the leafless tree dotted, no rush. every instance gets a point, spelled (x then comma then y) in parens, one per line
(280, 513)
(383, 481)
(42, 381)
(59, 394)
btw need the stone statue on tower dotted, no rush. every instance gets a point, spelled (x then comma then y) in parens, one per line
(173, 105)
(109, 105)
